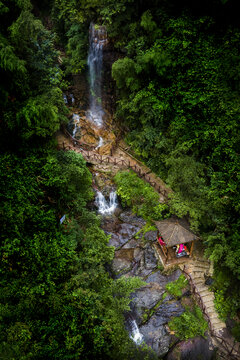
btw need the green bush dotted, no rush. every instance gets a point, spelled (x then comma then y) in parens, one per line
(139, 195)
(175, 288)
(223, 305)
(236, 332)
(189, 324)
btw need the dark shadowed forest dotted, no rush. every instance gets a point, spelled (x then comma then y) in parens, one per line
(177, 102)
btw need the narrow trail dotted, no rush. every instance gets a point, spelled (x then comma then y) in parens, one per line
(194, 269)
(119, 158)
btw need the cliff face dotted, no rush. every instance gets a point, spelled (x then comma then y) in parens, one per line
(108, 84)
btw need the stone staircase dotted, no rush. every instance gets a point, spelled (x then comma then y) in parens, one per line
(196, 270)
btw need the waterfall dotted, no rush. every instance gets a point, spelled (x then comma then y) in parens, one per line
(100, 143)
(136, 336)
(75, 121)
(97, 39)
(65, 99)
(72, 98)
(106, 207)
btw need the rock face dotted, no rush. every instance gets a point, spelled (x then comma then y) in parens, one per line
(151, 306)
(150, 235)
(157, 338)
(197, 348)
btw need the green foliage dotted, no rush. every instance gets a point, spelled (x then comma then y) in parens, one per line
(236, 332)
(178, 89)
(76, 48)
(175, 288)
(223, 305)
(226, 293)
(31, 101)
(147, 227)
(136, 193)
(189, 325)
(57, 299)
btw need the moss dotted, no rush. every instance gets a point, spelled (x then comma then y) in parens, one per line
(190, 324)
(175, 288)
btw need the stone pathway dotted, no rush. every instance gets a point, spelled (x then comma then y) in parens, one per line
(121, 159)
(196, 270)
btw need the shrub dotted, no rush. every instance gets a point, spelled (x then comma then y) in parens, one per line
(139, 195)
(224, 305)
(175, 288)
(189, 324)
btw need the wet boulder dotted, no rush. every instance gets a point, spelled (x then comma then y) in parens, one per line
(146, 298)
(157, 277)
(166, 311)
(151, 235)
(156, 337)
(122, 234)
(192, 349)
(150, 258)
(131, 244)
(130, 218)
(122, 261)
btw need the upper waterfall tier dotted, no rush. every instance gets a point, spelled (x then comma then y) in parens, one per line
(97, 40)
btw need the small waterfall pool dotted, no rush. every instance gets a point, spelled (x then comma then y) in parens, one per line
(106, 207)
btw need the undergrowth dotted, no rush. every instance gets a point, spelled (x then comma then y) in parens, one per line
(190, 324)
(175, 287)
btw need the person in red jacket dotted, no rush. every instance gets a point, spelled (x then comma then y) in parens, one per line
(160, 240)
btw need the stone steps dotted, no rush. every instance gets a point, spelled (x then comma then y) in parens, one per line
(196, 270)
(203, 264)
(198, 281)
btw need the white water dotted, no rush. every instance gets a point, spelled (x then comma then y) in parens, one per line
(72, 98)
(65, 99)
(106, 207)
(136, 336)
(100, 143)
(76, 124)
(97, 39)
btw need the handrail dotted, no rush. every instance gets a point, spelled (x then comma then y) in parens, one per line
(113, 160)
(220, 339)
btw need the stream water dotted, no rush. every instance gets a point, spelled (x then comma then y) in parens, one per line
(106, 207)
(97, 40)
(100, 143)
(133, 330)
(134, 248)
(75, 120)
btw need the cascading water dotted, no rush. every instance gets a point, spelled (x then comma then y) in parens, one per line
(97, 39)
(65, 99)
(100, 143)
(106, 207)
(75, 119)
(72, 98)
(133, 329)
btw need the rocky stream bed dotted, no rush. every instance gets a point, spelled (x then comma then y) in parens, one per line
(151, 307)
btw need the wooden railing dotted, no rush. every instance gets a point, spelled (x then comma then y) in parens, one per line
(229, 348)
(91, 156)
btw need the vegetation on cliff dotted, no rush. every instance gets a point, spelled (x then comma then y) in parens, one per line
(177, 84)
(57, 298)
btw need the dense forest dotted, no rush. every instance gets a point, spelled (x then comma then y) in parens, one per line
(177, 100)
